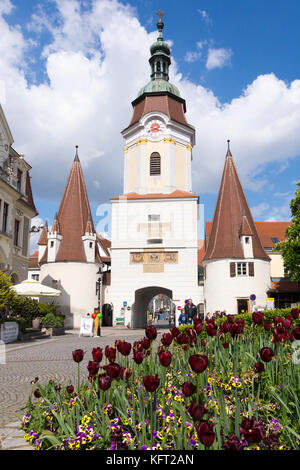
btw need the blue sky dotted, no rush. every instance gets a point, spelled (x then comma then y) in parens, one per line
(235, 63)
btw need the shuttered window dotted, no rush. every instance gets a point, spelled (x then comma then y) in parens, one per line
(25, 237)
(232, 269)
(251, 269)
(154, 164)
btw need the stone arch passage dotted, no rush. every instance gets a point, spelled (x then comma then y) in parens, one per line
(142, 299)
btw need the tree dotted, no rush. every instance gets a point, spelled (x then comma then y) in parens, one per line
(7, 295)
(290, 248)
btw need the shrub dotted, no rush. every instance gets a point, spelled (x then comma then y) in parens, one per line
(53, 319)
(26, 308)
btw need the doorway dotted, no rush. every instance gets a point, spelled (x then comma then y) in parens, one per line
(242, 306)
(155, 301)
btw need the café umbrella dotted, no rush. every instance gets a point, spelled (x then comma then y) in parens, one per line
(33, 288)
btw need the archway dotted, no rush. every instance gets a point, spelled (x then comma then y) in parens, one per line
(142, 299)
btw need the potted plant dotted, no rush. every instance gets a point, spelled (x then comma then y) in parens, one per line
(54, 323)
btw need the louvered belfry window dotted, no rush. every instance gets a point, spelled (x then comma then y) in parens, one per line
(154, 164)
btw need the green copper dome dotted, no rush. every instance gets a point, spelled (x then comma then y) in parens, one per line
(159, 85)
(160, 62)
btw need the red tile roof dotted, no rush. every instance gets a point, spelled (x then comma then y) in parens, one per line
(266, 231)
(224, 241)
(201, 251)
(34, 260)
(172, 107)
(43, 240)
(285, 286)
(175, 194)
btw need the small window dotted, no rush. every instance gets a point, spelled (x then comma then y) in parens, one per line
(247, 240)
(155, 164)
(154, 241)
(241, 269)
(51, 244)
(5, 217)
(16, 232)
(36, 277)
(153, 218)
(91, 244)
(19, 180)
(275, 240)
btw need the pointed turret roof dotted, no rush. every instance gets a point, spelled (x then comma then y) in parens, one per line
(73, 214)
(232, 214)
(43, 240)
(55, 225)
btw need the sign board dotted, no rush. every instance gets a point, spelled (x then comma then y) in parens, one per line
(86, 327)
(252, 297)
(124, 303)
(270, 303)
(178, 308)
(9, 331)
(128, 308)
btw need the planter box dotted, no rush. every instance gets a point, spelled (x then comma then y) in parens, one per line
(54, 330)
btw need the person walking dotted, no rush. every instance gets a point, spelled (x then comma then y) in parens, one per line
(182, 319)
(191, 310)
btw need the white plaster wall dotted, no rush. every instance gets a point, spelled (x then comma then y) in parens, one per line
(277, 266)
(221, 291)
(77, 281)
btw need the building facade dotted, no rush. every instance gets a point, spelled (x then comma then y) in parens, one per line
(16, 207)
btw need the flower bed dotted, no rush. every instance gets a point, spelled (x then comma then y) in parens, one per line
(237, 389)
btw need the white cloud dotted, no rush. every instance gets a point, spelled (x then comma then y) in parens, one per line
(259, 210)
(218, 58)
(205, 16)
(95, 64)
(192, 56)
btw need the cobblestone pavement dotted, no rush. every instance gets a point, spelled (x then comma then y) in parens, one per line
(48, 359)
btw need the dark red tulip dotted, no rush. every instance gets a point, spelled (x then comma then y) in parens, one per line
(165, 358)
(138, 357)
(97, 354)
(296, 333)
(125, 373)
(196, 411)
(225, 345)
(174, 331)
(70, 389)
(253, 430)
(78, 355)
(104, 382)
(279, 334)
(295, 313)
(182, 338)
(57, 387)
(188, 388)
(272, 440)
(198, 363)
(93, 368)
(113, 370)
(138, 346)
(193, 339)
(224, 327)
(266, 354)
(267, 325)
(257, 317)
(277, 320)
(230, 318)
(145, 343)
(203, 342)
(151, 382)
(37, 393)
(110, 353)
(205, 433)
(236, 329)
(233, 443)
(167, 339)
(198, 328)
(211, 329)
(259, 367)
(291, 337)
(287, 323)
(151, 332)
(124, 348)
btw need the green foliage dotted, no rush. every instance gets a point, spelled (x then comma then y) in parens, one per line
(26, 308)
(53, 319)
(6, 293)
(290, 249)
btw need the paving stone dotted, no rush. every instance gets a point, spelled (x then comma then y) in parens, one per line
(13, 443)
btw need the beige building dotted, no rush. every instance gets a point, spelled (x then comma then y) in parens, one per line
(16, 207)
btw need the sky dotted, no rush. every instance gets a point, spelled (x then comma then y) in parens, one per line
(69, 70)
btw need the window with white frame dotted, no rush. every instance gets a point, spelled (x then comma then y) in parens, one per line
(241, 269)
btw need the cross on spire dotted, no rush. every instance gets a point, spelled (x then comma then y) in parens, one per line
(160, 14)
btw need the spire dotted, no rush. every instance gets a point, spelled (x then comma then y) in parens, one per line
(73, 215)
(228, 154)
(232, 215)
(89, 225)
(55, 226)
(76, 159)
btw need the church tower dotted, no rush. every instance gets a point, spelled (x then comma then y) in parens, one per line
(236, 265)
(154, 221)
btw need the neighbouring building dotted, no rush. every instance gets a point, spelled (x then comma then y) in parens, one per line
(16, 207)
(72, 257)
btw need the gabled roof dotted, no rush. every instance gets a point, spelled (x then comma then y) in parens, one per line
(34, 260)
(231, 207)
(43, 240)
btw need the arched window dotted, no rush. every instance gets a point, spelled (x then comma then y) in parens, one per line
(154, 164)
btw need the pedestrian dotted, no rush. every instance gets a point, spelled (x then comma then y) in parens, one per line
(191, 310)
(182, 319)
(171, 318)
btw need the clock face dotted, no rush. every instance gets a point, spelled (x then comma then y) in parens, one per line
(155, 127)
